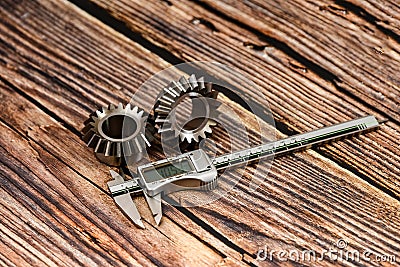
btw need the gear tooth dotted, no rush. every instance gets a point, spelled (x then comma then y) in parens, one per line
(170, 100)
(120, 107)
(212, 122)
(99, 114)
(166, 100)
(179, 92)
(193, 81)
(111, 151)
(128, 107)
(140, 114)
(161, 116)
(203, 134)
(161, 120)
(176, 134)
(213, 94)
(200, 81)
(89, 120)
(104, 109)
(188, 137)
(99, 146)
(145, 139)
(171, 92)
(189, 140)
(88, 135)
(164, 107)
(138, 145)
(135, 109)
(179, 86)
(111, 107)
(107, 148)
(171, 86)
(129, 146)
(93, 141)
(184, 82)
(182, 138)
(87, 128)
(126, 149)
(162, 110)
(209, 87)
(94, 118)
(208, 129)
(95, 144)
(117, 149)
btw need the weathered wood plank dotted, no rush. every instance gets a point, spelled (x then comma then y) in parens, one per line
(227, 215)
(76, 82)
(298, 97)
(56, 227)
(385, 14)
(362, 58)
(328, 197)
(228, 219)
(63, 217)
(349, 60)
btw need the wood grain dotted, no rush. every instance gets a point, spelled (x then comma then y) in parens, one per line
(362, 58)
(77, 209)
(308, 201)
(384, 14)
(299, 98)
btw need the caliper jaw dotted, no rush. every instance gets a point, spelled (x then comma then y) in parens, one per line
(121, 191)
(155, 207)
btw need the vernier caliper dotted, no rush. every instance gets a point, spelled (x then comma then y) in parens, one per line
(196, 169)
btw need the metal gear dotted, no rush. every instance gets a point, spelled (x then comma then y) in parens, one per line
(202, 112)
(117, 134)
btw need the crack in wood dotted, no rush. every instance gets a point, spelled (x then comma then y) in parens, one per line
(362, 13)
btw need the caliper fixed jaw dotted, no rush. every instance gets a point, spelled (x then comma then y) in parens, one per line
(121, 192)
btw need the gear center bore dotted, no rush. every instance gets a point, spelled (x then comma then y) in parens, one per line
(188, 118)
(118, 127)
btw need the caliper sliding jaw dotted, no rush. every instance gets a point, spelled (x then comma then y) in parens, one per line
(122, 192)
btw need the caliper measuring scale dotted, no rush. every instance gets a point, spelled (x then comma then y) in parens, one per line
(195, 168)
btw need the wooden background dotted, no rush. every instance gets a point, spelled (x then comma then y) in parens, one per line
(318, 62)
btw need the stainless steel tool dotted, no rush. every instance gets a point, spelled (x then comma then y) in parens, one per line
(195, 170)
(172, 100)
(117, 134)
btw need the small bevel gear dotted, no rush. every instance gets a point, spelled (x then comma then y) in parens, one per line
(117, 134)
(202, 112)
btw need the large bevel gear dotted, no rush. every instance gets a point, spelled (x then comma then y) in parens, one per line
(117, 134)
(202, 112)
